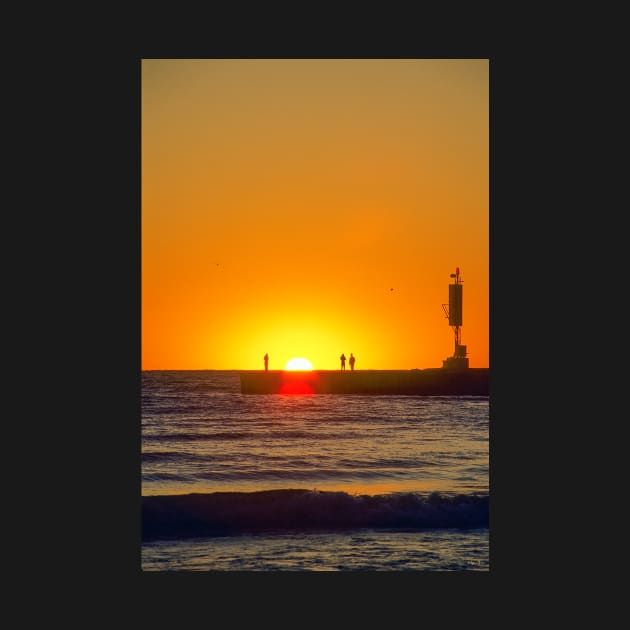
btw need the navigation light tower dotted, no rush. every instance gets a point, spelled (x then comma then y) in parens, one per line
(453, 312)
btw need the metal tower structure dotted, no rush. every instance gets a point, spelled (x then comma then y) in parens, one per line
(453, 311)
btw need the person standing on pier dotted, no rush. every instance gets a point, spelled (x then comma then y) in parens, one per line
(266, 358)
(343, 362)
(351, 361)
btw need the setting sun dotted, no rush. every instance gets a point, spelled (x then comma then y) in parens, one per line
(298, 364)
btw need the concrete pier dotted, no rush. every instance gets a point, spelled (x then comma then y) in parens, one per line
(428, 382)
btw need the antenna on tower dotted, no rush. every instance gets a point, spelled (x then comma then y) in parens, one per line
(453, 311)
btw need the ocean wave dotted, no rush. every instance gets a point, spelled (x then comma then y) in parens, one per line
(193, 437)
(279, 434)
(176, 457)
(226, 513)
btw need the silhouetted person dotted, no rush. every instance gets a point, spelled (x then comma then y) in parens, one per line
(343, 362)
(351, 361)
(266, 357)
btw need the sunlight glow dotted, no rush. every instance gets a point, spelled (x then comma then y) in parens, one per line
(298, 364)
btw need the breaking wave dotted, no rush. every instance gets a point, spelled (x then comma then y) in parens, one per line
(227, 513)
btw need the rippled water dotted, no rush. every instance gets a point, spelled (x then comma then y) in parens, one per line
(443, 550)
(201, 435)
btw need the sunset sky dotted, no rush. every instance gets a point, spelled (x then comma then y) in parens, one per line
(283, 200)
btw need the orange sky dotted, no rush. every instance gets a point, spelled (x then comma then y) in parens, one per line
(283, 199)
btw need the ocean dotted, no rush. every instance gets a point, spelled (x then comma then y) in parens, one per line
(245, 482)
